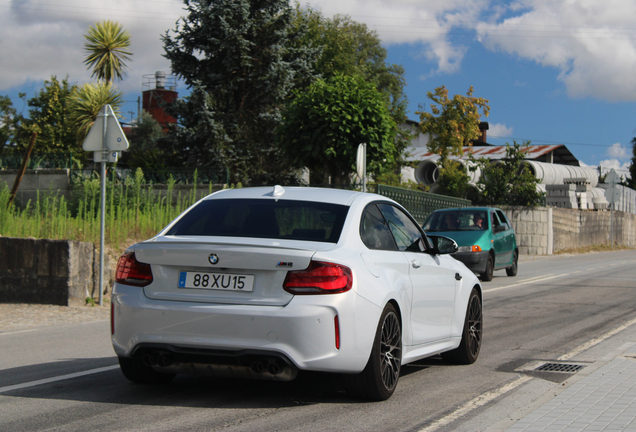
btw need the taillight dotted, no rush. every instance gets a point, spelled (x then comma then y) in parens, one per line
(132, 272)
(319, 278)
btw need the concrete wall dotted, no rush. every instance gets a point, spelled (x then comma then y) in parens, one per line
(543, 230)
(42, 180)
(573, 229)
(57, 180)
(58, 272)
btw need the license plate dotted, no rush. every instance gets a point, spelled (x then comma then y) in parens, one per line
(216, 281)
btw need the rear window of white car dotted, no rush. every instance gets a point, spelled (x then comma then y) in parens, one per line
(263, 218)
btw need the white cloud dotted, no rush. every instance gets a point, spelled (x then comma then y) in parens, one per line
(590, 42)
(499, 130)
(621, 168)
(614, 163)
(618, 152)
(47, 38)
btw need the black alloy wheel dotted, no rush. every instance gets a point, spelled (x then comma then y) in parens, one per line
(379, 378)
(470, 345)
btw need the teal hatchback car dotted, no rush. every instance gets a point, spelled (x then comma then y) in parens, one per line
(484, 235)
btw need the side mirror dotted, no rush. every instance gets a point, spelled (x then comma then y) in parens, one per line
(443, 245)
(500, 228)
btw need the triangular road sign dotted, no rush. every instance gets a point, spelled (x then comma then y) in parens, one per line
(115, 138)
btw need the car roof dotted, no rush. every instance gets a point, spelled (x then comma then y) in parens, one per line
(466, 209)
(334, 196)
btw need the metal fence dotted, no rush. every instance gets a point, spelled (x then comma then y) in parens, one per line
(421, 204)
(159, 176)
(50, 160)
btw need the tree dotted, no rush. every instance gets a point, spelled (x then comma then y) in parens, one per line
(144, 151)
(49, 116)
(322, 128)
(508, 181)
(8, 118)
(87, 101)
(106, 45)
(349, 48)
(240, 57)
(451, 125)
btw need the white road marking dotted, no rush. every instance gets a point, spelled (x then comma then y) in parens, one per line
(57, 378)
(526, 282)
(475, 403)
(18, 331)
(589, 344)
(483, 399)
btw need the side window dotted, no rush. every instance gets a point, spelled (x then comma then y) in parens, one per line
(406, 233)
(503, 219)
(373, 230)
(495, 220)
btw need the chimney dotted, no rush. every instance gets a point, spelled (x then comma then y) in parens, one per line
(483, 127)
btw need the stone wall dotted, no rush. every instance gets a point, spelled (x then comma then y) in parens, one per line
(533, 229)
(58, 272)
(543, 230)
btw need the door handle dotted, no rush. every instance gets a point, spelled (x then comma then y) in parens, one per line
(416, 264)
(458, 276)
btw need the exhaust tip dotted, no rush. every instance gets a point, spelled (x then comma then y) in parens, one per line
(258, 367)
(273, 368)
(149, 359)
(166, 360)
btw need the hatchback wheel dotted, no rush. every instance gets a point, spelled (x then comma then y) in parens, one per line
(379, 378)
(512, 270)
(470, 345)
(490, 267)
(136, 371)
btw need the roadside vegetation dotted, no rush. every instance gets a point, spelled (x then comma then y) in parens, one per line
(133, 212)
(592, 248)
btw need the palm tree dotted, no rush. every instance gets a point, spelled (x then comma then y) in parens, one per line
(106, 47)
(88, 100)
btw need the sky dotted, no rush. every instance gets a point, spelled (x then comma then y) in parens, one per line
(553, 71)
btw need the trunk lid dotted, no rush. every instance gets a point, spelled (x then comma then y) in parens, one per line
(178, 264)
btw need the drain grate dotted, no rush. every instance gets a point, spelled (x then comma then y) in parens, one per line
(559, 367)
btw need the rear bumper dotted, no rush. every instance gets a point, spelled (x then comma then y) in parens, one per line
(303, 331)
(475, 261)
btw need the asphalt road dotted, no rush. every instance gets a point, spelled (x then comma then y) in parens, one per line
(64, 377)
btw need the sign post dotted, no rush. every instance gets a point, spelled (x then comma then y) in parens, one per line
(361, 165)
(106, 138)
(612, 194)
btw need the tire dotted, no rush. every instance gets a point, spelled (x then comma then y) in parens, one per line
(470, 345)
(512, 270)
(490, 267)
(136, 371)
(379, 378)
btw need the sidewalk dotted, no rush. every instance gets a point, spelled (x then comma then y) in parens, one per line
(604, 400)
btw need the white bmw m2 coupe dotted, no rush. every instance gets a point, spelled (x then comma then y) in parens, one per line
(266, 282)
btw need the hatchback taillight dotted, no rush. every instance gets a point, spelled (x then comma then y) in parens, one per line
(319, 278)
(132, 272)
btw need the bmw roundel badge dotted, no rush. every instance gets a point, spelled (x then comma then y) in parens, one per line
(213, 258)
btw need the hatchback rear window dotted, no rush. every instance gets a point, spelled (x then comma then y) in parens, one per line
(264, 218)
